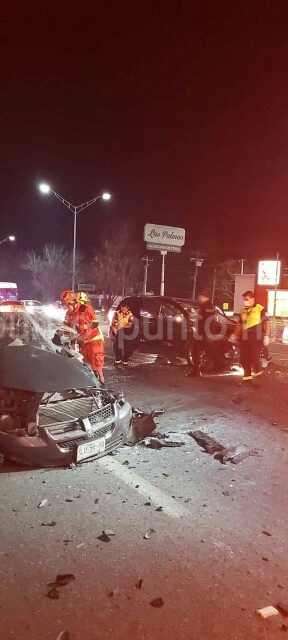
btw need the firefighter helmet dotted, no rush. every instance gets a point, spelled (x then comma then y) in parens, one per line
(82, 297)
(68, 296)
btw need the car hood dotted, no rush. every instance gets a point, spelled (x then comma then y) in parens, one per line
(37, 370)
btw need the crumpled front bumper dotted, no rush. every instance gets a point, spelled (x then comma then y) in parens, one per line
(45, 451)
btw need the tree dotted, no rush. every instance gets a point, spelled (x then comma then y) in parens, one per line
(225, 278)
(51, 272)
(118, 264)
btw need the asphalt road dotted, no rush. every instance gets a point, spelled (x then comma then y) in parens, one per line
(208, 556)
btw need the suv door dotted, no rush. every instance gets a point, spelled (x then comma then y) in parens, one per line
(173, 325)
(149, 321)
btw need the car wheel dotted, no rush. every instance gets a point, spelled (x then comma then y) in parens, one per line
(205, 361)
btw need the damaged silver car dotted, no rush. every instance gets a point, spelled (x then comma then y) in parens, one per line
(53, 412)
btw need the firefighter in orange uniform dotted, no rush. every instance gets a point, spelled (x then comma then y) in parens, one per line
(90, 336)
(68, 299)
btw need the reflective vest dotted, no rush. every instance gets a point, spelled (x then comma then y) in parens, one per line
(252, 317)
(121, 320)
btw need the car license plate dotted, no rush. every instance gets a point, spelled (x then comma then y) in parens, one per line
(90, 449)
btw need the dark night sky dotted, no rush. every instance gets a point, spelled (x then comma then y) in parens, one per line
(180, 111)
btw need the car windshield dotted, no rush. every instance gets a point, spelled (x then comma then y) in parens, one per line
(20, 327)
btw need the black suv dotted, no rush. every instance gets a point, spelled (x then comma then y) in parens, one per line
(168, 327)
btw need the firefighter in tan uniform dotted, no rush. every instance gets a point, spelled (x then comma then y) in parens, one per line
(252, 331)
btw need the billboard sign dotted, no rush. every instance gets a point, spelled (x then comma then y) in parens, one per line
(269, 272)
(160, 234)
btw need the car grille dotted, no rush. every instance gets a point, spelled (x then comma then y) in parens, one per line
(65, 416)
(110, 445)
(101, 414)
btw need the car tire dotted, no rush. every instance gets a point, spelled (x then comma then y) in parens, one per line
(206, 363)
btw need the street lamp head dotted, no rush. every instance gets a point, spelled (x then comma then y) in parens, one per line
(11, 238)
(44, 188)
(106, 196)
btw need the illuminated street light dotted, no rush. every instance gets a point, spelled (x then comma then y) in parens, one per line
(45, 188)
(11, 238)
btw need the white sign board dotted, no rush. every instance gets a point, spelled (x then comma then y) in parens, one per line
(159, 234)
(269, 272)
(86, 287)
(155, 246)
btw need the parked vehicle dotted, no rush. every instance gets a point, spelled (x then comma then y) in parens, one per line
(33, 306)
(53, 411)
(8, 291)
(168, 326)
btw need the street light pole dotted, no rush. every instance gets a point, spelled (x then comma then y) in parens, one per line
(44, 188)
(162, 285)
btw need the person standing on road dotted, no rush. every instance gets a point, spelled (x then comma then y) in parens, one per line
(90, 336)
(205, 311)
(252, 331)
(120, 333)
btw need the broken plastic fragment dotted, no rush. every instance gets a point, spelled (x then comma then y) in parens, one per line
(138, 584)
(158, 602)
(53, 594)
(267, 612)
(43, 503)
(109, 532)
(48, 524)
(104, 537)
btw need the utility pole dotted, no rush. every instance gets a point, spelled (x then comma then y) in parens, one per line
(242, 266)
(198, 263)
(146, 261)
(162, 286)
(276, 287)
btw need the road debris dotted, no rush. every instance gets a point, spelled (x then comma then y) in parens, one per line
(64, 635)
(53, 594)
(233, 454)
(267, 612)
(143, 426)
(114, 592)
(62, 579)
(283, 608)
(109, 532)
(208, 444)
(43, 503)
(223, 454)
(48, 524)
(104, 537)
(158, 603)
(147, 535)
(159, 509)
(267, 533)
(138, 584)
(154, 443)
